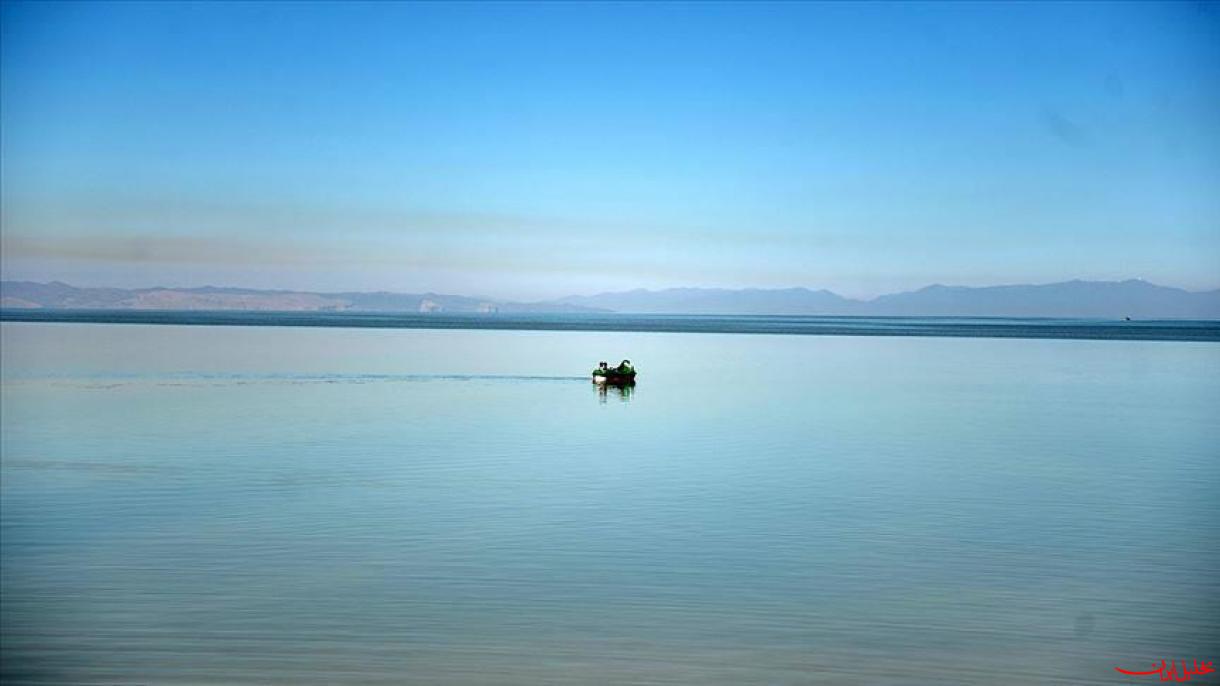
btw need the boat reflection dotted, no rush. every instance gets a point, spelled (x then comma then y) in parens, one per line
(614, 389)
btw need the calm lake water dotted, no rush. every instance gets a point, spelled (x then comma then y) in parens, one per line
(221, 505)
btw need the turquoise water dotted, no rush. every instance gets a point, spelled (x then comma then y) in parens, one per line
(217, 505)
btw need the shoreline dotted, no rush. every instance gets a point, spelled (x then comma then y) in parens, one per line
(805, 325)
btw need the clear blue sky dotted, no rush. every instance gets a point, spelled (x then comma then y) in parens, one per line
(535, 150)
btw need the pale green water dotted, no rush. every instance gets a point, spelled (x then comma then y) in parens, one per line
(270, 505)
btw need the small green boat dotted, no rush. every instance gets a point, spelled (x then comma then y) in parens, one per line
(622, 374)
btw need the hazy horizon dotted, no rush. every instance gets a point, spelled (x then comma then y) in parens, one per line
(512, 295)
(497, 297)
(536, 150)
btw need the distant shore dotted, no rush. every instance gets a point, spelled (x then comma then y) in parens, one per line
(952, 327)
(1077, 299)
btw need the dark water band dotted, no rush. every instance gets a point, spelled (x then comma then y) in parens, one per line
(956, 327)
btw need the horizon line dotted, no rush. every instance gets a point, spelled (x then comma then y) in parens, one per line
(615, 292)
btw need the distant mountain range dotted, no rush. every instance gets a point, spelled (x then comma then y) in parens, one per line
(1086, 299)
(59, 295)
(1089, 299)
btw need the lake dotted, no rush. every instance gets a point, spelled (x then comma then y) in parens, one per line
(275, 505)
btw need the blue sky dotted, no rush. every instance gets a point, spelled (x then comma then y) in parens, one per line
(537, 150)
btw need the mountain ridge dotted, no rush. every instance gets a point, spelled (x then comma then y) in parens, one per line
(1072, 299)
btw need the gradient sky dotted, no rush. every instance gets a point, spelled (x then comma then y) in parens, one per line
(536, 150)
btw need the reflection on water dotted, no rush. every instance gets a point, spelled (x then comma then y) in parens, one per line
(609, 389)
(207, 505)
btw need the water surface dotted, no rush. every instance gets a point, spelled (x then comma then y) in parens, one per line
(211, 505)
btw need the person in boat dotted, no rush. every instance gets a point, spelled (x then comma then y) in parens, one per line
(625, 367)
(603, 368)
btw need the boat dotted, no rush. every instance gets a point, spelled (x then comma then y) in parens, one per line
(622, 374)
